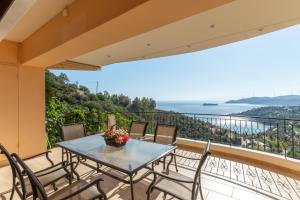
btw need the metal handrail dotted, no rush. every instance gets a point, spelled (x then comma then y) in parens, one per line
(269, 134)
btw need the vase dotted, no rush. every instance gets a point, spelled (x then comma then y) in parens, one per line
(111, 142)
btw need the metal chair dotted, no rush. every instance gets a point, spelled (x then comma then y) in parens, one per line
(111, 121)
(137, 129)
(166, 134)
(76, 190)
(47, 176)
(70, 132)
(178, 185)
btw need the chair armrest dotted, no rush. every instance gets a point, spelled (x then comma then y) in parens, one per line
(171, 178)
(46, 153)
(177, 155)
(40, 173)
(64, 163)
(95, 182)
(146, 138)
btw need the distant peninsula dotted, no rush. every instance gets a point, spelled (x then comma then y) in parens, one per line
(288, 100)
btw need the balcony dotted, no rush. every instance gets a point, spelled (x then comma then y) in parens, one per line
(252, 157)
(236, 170)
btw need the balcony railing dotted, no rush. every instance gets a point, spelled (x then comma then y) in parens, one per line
(273, 135)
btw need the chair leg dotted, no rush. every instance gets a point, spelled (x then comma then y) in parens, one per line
(175, 163)
(101, 191)
(165, 195)
(150, 188)
(54, 187)
(62, 155)
(201, 193)
(70, 179)
(98, 168)
(12, 192)
(164, 167)
(148, 195)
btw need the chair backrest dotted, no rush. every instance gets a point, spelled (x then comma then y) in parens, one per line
(16, 171)
(197, 178)
(72, 131)
(111, 121)
(37, 188)
(165, 134)
(137, 129)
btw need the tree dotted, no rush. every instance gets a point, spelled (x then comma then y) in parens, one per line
(72, 103)
(124, 101)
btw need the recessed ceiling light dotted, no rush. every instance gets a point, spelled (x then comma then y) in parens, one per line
(65, 12)
(260, 29)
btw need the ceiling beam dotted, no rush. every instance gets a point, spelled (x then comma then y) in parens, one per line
(11, 12)
(93, 24)
(9, 53)
(71, 65)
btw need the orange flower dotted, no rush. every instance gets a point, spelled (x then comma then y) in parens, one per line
(125, 137)
(119, 140)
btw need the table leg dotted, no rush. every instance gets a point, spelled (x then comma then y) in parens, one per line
(131, 187)
(72, 168)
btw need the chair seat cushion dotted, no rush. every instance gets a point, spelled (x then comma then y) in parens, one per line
(174, 188)
(90, 193)
(46, 179)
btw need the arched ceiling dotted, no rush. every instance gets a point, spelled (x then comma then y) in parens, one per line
(231, 22)
(97, 33)
(38, 13)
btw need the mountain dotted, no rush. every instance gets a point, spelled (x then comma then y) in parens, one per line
(288, 100)
(274, 112)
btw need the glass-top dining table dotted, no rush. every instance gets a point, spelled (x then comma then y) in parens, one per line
(129, 159)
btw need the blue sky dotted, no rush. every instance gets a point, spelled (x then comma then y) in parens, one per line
(268, 65)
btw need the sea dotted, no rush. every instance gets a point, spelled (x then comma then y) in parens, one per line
(197, 107)
(221, 108)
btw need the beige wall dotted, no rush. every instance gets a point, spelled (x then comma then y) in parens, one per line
(31, 110)
(22, 106)
(9, 108)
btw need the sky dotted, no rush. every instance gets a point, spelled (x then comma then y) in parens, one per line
(268, 65)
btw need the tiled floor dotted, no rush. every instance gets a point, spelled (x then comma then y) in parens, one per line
(222, 180)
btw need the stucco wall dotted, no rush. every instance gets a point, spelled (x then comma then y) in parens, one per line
(22, 106)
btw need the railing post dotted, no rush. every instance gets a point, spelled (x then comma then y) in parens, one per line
(293, 141)
(252, 135)
(220, 131)
(277, 137)
(211, 128)
(285, 136)
(264, 136)
(152, 123)
(230, 130)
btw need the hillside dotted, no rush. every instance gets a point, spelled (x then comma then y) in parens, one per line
(288, 100)
(71, 103)
(274, 111)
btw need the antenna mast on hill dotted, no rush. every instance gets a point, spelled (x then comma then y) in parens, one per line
(97, 87)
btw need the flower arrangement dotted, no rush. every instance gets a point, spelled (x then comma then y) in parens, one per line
(116, 136)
